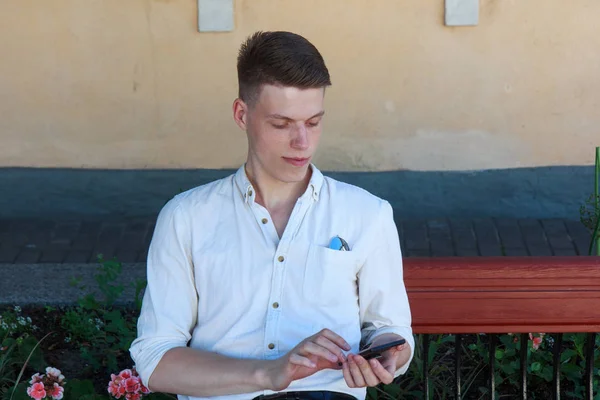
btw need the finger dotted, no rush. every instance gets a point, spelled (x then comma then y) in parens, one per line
(400, 347)
(331, 346)
(365, 368)
(356, 373)
(348, 375)
(319, 351)
(297, 359)
(383, 374)
(335, 338)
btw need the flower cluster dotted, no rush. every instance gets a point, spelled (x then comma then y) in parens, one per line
(47, 386)
(127, 384)
(536, 339)
(13, 323)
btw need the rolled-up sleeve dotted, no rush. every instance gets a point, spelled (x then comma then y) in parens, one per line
(384, 306)
(169, 308)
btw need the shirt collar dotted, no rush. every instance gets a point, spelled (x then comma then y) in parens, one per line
(248, 192)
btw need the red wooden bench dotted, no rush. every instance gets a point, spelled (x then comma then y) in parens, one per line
(506, 295)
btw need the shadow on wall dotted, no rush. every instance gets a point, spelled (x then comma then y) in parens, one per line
(543, 192)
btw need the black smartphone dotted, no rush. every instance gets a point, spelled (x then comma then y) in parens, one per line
(375, 351)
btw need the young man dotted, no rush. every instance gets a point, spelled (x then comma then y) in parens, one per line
(245, 299)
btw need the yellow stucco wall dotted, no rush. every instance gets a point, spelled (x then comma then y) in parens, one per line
(133, 84)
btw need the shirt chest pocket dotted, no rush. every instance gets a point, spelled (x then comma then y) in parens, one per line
(330, 276)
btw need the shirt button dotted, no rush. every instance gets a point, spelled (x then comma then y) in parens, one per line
(249, 192)
(280, 258)
(264, 220)
(276, 305)
(271, 346)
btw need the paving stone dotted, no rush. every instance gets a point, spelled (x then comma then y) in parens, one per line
(137, 226)
(8, 253)
(565, 252)
(53, 255)
(150, 232)
(48, 241)
(85, 241)
(398, 223)
(78, 256)
(143, 256)
(557, 235)
(463, 235)
(440, 238)
(580, 235)
(489, 250)
(510, 233)
(18, 239)
(133, 241)
(127, 256)
(66, 231)
(415, 235)
(28, 256)
(488, 241)
(90, 227)
(107, 251)
(535, 238)
(518, 252)
(417, 253)
(467, 252)
(110, 234)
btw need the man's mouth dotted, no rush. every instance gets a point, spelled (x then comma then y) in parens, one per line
(296, 161)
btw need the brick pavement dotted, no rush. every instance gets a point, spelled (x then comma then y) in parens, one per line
(76, 241)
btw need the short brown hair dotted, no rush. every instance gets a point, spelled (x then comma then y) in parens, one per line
(279, 58)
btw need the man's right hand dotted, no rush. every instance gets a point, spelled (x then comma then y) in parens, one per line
(320, 351)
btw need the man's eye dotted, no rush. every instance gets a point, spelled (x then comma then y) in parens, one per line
(313, 124)
(279, 126)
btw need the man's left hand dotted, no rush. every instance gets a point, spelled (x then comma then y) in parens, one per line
(359, 372)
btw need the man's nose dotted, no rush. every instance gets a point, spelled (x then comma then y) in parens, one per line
(300, 139)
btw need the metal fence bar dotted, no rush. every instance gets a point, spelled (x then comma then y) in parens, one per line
(492, 366)
(457, 351)
(556, 364)
(493, 342)
(589, 366)
(426, 364)
(523, 357)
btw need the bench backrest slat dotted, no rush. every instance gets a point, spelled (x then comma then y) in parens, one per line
(504, 294)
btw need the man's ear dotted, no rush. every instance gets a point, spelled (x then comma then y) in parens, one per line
(240, 113)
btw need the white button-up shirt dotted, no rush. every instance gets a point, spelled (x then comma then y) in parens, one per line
(220, 279)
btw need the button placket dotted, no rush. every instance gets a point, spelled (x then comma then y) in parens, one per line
(280, 259)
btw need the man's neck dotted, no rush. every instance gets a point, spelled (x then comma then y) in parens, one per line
(276, 195)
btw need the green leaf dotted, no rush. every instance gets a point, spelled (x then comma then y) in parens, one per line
(499, 354)
(88, 302)
(546, 373)
(77, 389)
(536, 367)
(20, 392)
(567, 354)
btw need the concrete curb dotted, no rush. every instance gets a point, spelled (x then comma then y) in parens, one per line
(49, 284)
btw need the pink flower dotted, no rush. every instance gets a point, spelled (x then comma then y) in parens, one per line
(116, 389)
(127, 384)
(537, 341)
(35, 378)
(36, 391)
(57, 391)
(125, 374)
(144, 389)
(132, 385)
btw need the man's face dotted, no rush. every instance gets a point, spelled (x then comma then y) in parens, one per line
(283, 127)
